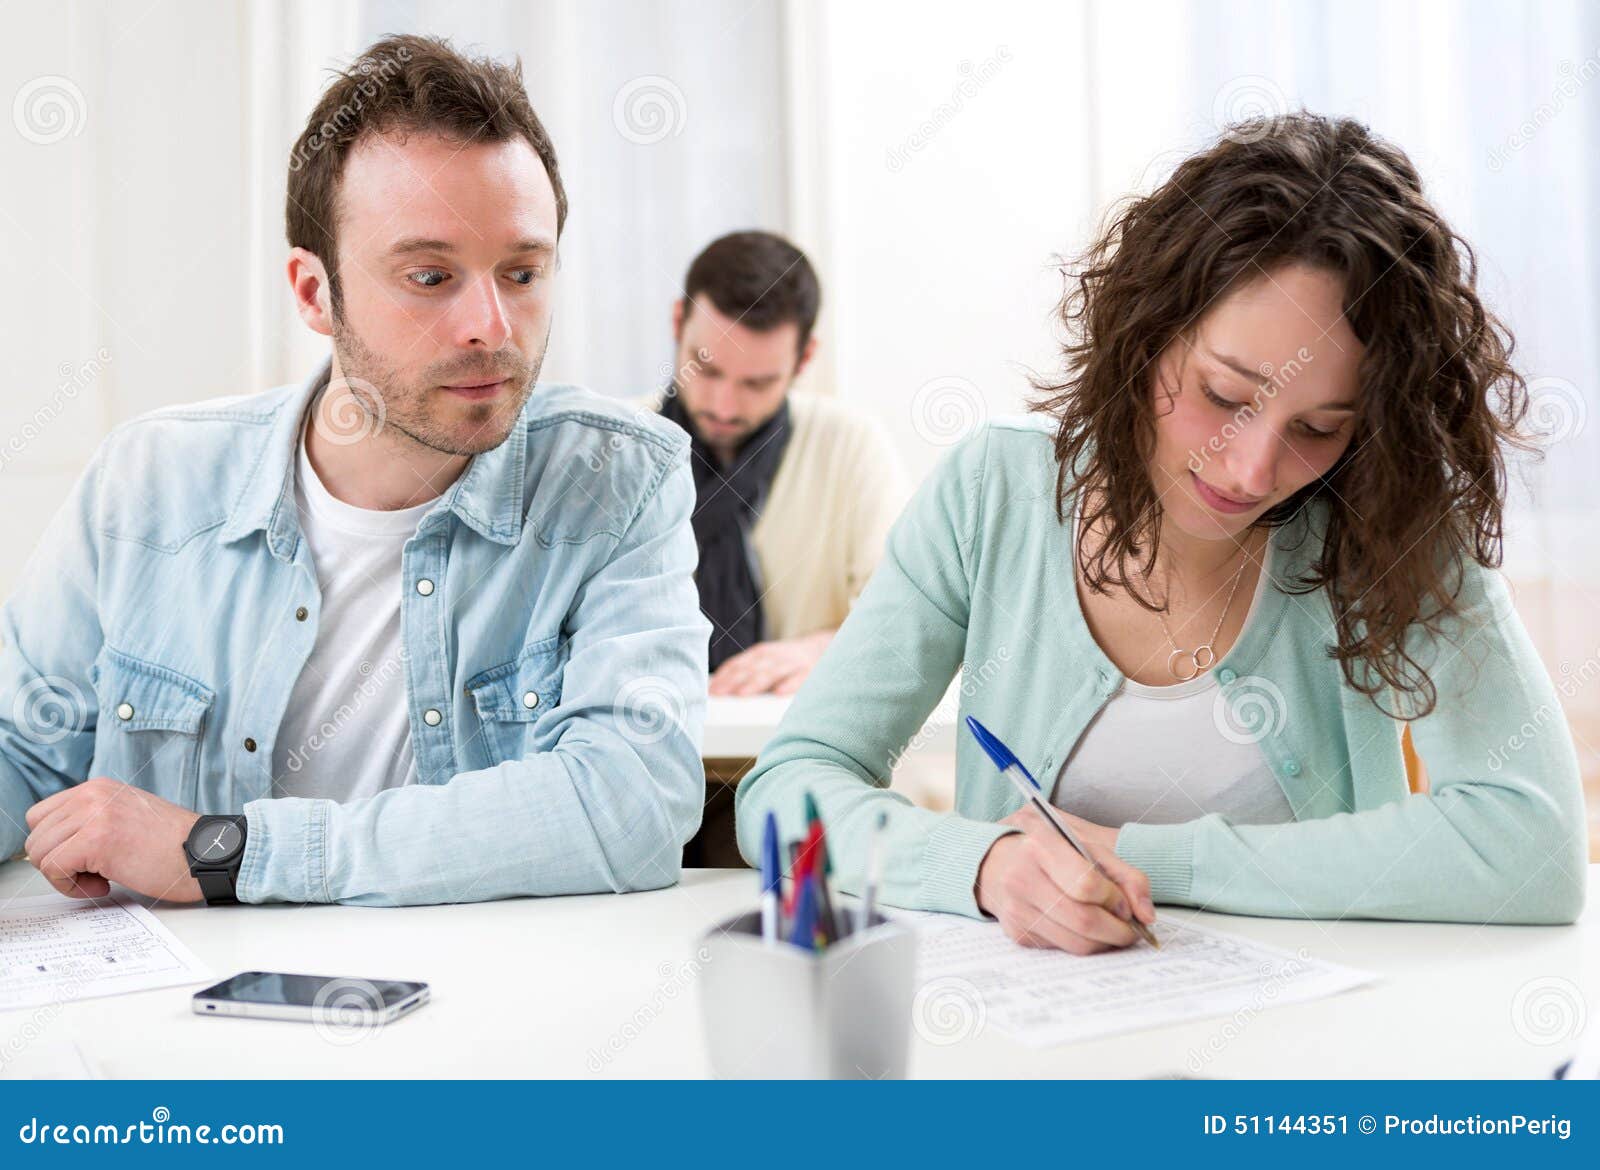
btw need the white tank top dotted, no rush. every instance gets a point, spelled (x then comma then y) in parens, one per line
(1158, 755)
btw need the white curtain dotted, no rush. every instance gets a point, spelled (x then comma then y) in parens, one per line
(955, 152)
(932, 157)
(146, 157)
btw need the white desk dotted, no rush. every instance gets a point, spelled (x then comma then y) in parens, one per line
(738, 728)
(540, 988)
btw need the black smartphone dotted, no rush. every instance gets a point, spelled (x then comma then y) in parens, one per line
(334, 1000)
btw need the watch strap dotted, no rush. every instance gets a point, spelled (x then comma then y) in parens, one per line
(218, 885)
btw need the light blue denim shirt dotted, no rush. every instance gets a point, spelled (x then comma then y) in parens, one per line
(555, 664)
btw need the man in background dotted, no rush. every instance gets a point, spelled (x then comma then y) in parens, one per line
(795, 493)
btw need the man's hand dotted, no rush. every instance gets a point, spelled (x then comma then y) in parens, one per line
(776, 668)
(102, 831)
(1046, 895)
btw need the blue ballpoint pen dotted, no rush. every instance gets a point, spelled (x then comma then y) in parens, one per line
(804, 932)
(1022, 779)
(771, 880)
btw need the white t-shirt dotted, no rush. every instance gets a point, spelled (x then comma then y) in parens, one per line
(345, 734)
(1158, 755)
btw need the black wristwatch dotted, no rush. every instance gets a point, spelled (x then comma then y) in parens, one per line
(214, 848)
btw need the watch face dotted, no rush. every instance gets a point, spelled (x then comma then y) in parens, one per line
(215, 841)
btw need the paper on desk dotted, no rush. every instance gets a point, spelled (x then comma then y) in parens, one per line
(1050, 997)
(55, 949)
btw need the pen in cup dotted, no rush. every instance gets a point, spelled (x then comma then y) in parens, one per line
(822, 866)
(869, 894)
(771, 881)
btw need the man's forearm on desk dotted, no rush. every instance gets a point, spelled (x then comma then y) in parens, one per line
(558, 823)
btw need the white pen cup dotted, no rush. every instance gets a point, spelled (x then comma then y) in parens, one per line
(777, 1011)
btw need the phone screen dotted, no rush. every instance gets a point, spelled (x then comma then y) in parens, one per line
(321, 991)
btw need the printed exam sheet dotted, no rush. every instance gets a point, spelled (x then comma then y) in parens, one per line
(1047, 997)
(55, 949)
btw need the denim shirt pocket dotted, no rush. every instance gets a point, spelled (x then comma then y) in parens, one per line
(152, 721)
(510, 698)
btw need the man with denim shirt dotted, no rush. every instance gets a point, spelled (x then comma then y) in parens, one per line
(411, 631)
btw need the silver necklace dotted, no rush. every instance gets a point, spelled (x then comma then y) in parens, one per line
(1203, 655)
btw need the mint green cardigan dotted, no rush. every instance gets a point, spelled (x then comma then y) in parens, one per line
(978, 576)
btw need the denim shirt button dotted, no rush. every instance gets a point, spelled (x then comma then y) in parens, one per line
(530, 700)
(432, 718)
(425, 587)
(125, 711)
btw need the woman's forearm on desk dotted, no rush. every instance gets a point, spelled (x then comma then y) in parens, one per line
(885, 672)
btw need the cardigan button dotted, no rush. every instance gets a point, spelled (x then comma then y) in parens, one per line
(1226, 675)
(1291, 767)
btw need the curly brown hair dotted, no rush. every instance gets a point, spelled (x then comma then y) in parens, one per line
(1422, 483)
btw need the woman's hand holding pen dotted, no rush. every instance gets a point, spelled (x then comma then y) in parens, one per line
(1046, 895)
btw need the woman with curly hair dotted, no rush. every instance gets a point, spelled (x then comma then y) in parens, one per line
(1239, 561)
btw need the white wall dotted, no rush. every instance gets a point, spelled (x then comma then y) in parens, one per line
(146, 155)
(936, 258)
(932, 157)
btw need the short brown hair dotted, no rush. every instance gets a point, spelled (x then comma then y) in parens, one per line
(404, 83)
(759, 279)
(1421, 488)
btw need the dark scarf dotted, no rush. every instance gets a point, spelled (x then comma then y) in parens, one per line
(727, 502)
